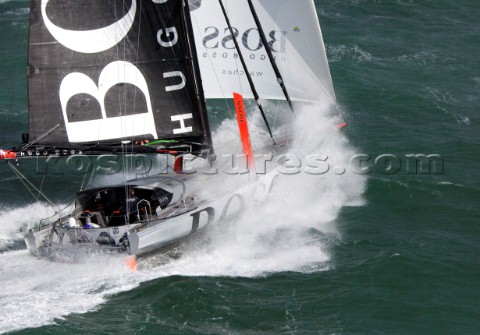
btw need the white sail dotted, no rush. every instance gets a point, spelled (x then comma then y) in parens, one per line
(293, 30)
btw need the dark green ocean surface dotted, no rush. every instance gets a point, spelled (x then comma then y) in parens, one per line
(406, 261)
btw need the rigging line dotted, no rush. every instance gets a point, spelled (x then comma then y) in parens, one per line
(137, 62)
(250, 81)
(118, 51)
(85, 176)
(126, 187)
(269, 53)
(207, 137)
(41, 137)
(239, 78)
(41, 186)
(239, 81)
(131, 157)
(124, 87)
(24, 180)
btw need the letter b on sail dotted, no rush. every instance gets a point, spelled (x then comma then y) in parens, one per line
(91, 41)
(113, 127)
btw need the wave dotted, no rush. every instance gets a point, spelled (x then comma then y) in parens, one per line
(293, 231)
(337, 53)
(444, 101)
(36, 292)
(422, 58)
(15, 222)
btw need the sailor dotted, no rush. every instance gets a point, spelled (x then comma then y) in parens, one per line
(72, 223)
(155, 204)
(100, 201)
(88, 221)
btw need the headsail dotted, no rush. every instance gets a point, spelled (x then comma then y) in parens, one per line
(104, 71)
(294, 35)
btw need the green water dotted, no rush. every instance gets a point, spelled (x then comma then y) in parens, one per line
(407, 79)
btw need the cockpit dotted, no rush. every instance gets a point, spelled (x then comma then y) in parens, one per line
(112, 206)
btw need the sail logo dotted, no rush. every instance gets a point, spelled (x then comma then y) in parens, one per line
(250, 39)
(117, 72)
(113, 127)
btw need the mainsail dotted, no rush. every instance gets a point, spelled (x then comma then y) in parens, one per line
(102, 73)
(105, 71)
(294, 36)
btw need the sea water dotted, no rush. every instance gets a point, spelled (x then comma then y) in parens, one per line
(374, 245)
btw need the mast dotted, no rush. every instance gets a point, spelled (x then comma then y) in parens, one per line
(197, 77)
(242, 60)
(270, 55)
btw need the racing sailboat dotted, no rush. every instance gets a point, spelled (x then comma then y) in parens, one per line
(132, 77)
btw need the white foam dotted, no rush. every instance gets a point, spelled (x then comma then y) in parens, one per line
(14, 221)
(36, 292)
(293, 231)
(338, 52)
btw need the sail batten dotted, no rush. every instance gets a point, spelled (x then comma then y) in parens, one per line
(111, 70)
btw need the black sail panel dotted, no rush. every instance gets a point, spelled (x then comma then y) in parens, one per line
(102, 71)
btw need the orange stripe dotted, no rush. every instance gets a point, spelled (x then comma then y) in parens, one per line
(178, 164)
(243, 126)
